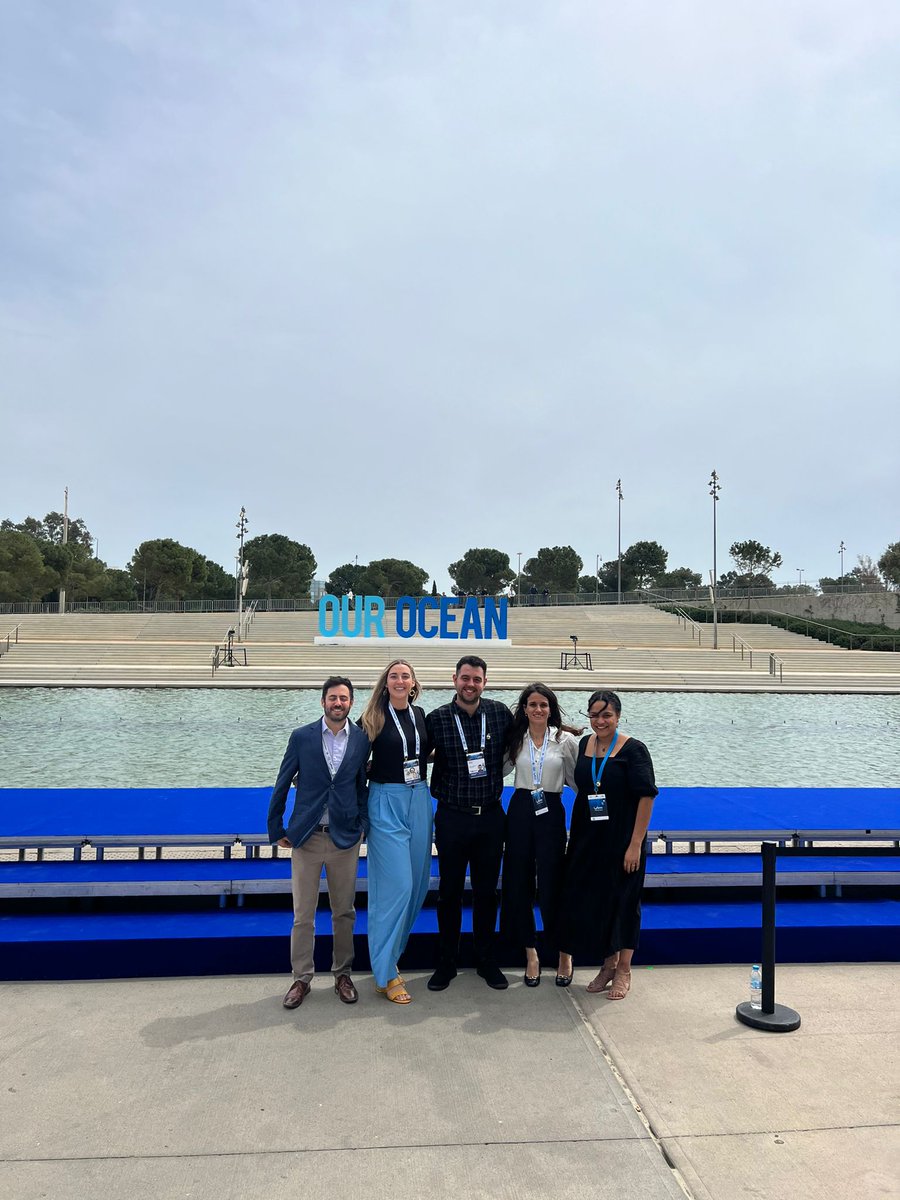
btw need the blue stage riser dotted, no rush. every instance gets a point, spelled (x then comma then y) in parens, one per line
(241, 941)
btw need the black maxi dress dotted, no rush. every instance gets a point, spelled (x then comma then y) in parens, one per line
(601, 903)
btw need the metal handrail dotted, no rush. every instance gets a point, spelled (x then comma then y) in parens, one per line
(683, 618)
(247, 618)
(737, 641)
(776, 667)
(12, 638)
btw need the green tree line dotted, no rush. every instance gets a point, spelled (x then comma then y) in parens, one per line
(35, 565)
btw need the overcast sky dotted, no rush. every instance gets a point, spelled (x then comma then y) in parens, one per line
(408, 277)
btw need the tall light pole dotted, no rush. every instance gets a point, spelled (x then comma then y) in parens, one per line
(597, 581)
(619, 493)
(519, 582)
(65, 539)
(841, 550)
(714, 488)
(800, 571)
(240, 573)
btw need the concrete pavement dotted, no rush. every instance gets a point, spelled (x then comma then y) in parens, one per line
(207, 1088)
(807, 1115)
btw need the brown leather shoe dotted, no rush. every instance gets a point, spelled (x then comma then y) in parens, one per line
(347, 993)
(295, 994)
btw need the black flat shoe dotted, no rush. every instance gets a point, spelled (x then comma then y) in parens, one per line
(563, 980)
(493, 976)
(533, 980)
(442, 978)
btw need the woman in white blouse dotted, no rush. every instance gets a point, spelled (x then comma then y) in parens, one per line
(542, 753)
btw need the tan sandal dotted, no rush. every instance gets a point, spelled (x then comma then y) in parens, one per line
(382, 991)
(601, 980)
(621, 985)
(396, 992)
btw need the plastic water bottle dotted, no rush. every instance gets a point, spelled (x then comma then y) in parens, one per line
(755, 986)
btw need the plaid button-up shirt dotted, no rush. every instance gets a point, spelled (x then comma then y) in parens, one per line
(450, 782)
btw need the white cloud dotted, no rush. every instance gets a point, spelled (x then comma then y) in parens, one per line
(309, 260)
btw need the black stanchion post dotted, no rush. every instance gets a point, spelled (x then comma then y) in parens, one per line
(769, 851)
(776, 1018)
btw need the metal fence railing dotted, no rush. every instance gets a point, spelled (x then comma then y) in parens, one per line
(525, 599)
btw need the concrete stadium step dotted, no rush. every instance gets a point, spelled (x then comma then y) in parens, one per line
(604, 625)
(632, 647)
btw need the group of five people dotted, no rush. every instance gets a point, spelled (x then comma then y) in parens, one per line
(369, 780)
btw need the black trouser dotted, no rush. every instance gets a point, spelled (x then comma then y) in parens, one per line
(464, 839)
(535, 849)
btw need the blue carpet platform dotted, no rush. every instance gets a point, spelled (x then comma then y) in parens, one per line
(218, 816)
(95, 917)
(247, 941)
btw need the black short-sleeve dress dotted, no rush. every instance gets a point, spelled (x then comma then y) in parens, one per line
(601, 904)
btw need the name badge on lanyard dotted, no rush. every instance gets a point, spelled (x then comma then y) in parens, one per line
(597, 799)
(597, 805)
(475, 760)
(538, 799)
(412, 772)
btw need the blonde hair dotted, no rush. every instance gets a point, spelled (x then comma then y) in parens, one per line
(373, 716)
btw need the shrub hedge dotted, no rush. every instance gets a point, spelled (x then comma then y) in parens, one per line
(852, 635)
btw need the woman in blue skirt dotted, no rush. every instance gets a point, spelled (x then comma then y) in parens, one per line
(400, 822)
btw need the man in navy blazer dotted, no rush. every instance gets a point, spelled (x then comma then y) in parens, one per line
(327, 759)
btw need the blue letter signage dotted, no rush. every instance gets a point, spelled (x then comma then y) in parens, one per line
(444, 618)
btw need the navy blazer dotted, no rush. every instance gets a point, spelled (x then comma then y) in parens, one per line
(341, 803)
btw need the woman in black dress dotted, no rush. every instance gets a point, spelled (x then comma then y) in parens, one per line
(606, 857)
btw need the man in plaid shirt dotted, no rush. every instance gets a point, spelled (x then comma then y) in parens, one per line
(468, 737)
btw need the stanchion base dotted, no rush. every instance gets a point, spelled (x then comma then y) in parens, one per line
(782, 1020)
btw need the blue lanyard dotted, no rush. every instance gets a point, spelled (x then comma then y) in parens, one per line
(412, 715)
(537, 768)
(598, 775)
(462, 736)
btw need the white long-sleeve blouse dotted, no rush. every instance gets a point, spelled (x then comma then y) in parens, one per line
(559, 763)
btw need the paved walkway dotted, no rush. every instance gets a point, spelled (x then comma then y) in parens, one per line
(207, 1088)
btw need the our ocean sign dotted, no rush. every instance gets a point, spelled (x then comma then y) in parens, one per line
(446, 618)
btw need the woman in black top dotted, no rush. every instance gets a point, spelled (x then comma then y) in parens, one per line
(400, 822)
(606, 857)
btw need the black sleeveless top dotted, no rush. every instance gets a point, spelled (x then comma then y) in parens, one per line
(387, 749)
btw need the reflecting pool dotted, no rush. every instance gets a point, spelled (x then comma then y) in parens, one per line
(99, 737)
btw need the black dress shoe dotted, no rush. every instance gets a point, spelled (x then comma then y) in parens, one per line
(563, 980)
(442, 977)
(493, 976)
(533, 980)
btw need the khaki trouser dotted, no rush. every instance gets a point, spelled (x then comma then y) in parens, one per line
(340, 872)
